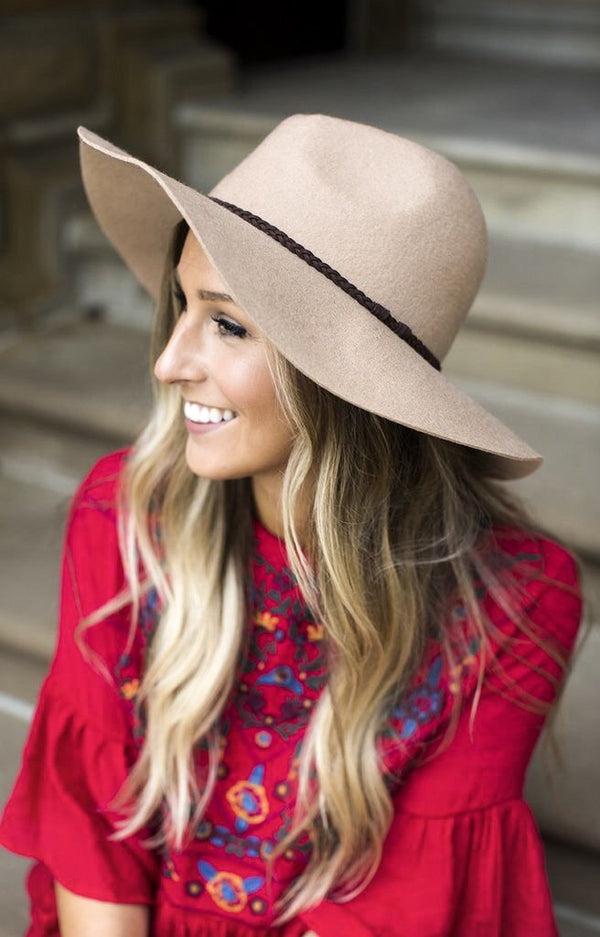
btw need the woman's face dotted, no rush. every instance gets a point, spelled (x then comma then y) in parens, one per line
(218, 358)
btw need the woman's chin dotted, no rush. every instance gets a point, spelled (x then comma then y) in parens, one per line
(204, 465)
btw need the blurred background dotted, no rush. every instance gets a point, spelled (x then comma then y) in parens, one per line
(509, 91)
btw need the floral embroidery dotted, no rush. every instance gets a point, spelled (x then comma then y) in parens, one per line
(301, 849)
(228, 891)
(283, 623)
(420, 705)
(248, 799)
(240, 846)
(262, 728)
(129, 665)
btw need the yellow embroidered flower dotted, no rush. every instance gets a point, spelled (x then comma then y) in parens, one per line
(266, 620)
(315, 632)
(130, 688)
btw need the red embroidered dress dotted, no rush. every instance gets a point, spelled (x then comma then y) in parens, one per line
(463, 856)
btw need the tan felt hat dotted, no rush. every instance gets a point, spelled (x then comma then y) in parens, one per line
(357, 252)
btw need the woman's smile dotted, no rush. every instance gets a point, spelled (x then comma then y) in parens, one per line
(203, 413)
(202, 419)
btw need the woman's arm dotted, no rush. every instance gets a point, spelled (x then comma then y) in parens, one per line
(85, 917)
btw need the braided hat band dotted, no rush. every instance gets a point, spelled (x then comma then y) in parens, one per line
(380, 312)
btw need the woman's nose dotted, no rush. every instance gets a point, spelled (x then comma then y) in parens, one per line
(180, 360)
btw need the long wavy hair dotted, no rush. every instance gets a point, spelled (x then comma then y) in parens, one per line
(396, 533)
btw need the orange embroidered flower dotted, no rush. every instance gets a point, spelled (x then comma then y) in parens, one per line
(130, 688)
(266, 620)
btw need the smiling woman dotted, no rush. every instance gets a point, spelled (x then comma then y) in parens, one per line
(307, 640)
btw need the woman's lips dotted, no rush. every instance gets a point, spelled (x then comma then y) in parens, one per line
(200, 428)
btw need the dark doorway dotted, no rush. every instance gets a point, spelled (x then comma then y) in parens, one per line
(260, 32)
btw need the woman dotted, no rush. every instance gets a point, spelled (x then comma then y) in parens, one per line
(307, 641)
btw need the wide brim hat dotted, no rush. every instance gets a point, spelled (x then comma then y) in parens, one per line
(357, 252)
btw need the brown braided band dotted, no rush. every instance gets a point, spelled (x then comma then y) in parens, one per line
(380, 312)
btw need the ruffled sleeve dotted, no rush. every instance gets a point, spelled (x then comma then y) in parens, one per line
(463, 856)
(80, 746)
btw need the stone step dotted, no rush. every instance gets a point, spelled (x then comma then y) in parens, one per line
(563, 493)
(528, 362)
(556, 287)
(101, 283)
(561, 34)
(85, 375)
(61, 60)
(46, 456)
(513, 108)
(535, 318)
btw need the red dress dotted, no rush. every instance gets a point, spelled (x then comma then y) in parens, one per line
(463, 857)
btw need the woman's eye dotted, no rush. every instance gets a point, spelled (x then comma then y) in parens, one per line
(229, 328)
(225, 327)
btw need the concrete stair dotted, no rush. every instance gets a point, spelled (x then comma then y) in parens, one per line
(548, 31)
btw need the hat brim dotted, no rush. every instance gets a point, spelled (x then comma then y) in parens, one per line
(296, 306)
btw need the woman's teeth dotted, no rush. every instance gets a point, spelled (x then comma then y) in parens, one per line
(199, 414)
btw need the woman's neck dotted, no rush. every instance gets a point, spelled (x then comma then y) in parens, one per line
(267, 507)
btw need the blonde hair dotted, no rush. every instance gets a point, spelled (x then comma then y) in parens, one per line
(385, 567)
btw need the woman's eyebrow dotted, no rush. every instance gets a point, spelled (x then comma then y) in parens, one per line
(214, 297)
(207, 295)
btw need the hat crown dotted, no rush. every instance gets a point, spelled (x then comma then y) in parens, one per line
(396, 219)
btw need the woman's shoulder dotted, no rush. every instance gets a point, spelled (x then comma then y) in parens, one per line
(93, 506)
(99, 486)
(92, 577)
(536, 552)
(543, 577)
(92, 567)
